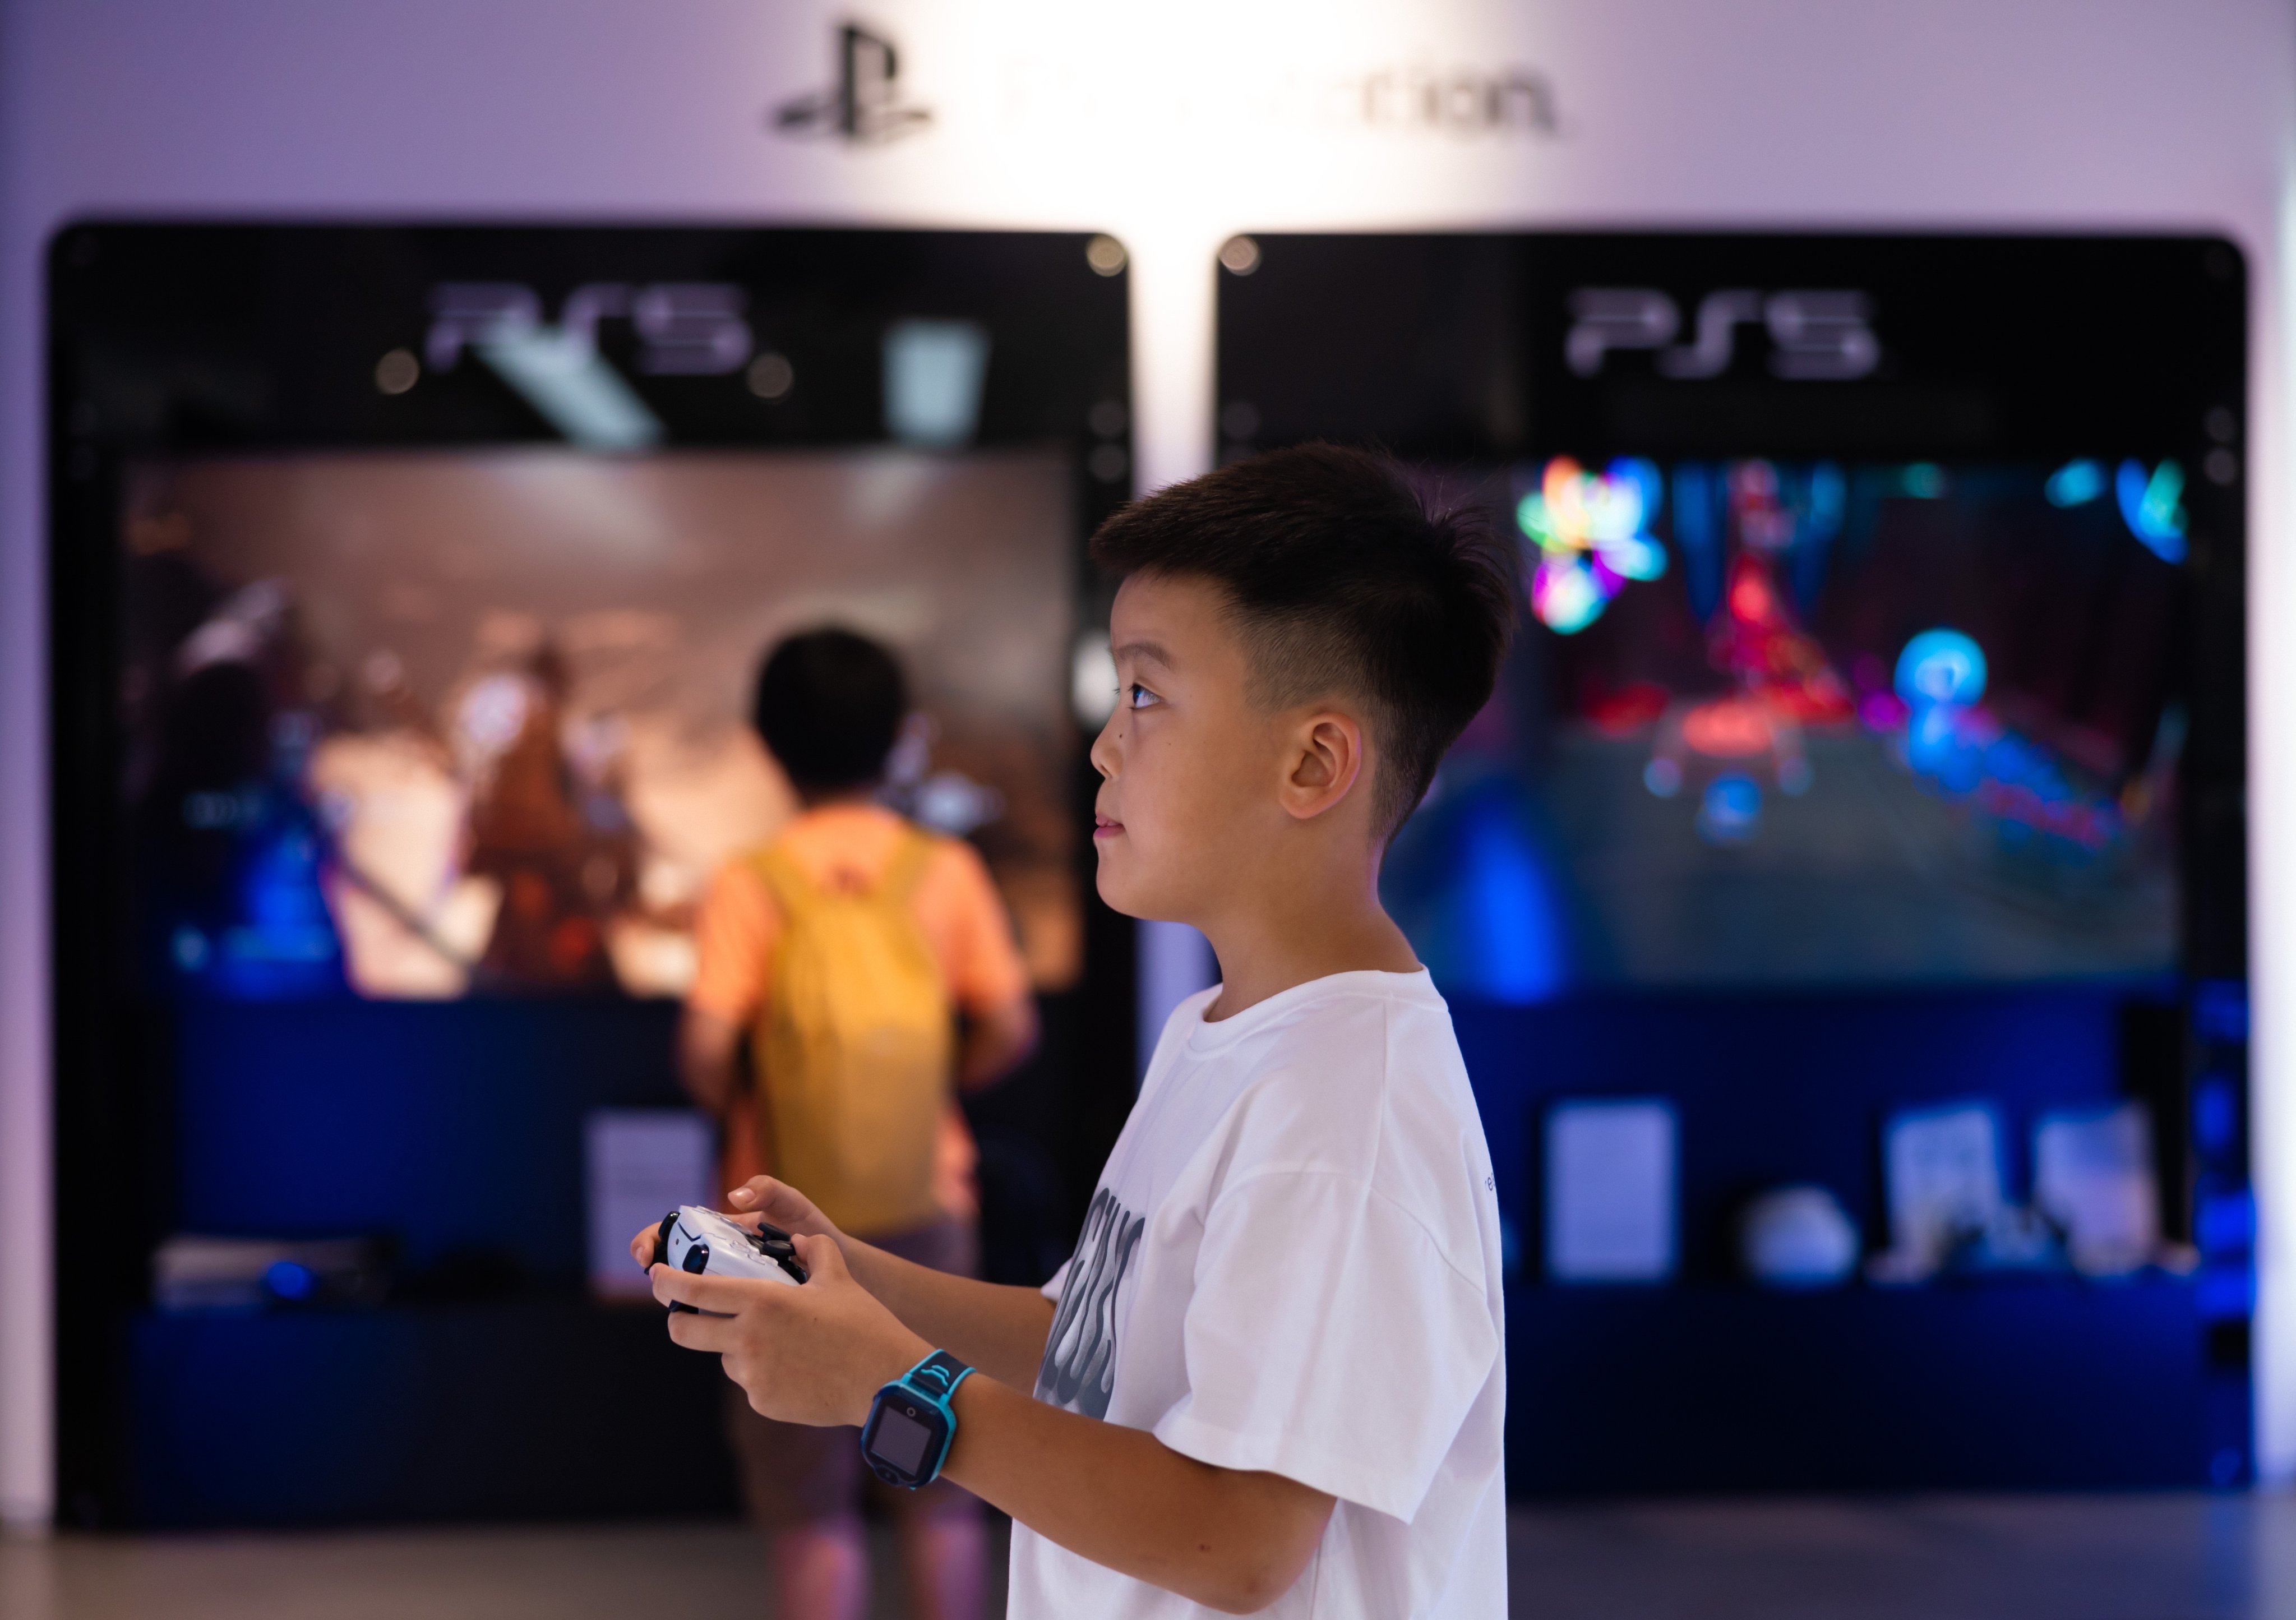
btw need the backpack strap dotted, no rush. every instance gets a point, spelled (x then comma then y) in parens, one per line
(907, 867)
(791, 891)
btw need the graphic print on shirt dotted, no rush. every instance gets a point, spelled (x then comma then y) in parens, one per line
(1079, 1366)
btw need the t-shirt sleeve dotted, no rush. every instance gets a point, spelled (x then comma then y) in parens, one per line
(985, 969)
(733, 939)
(1328, 1340)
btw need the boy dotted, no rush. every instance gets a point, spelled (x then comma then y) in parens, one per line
(1271, 1377)
(845, 945)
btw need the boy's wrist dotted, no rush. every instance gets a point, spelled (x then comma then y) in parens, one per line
(966, 1404)
(883, 1365)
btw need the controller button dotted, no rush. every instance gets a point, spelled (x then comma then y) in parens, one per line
(697, 1258)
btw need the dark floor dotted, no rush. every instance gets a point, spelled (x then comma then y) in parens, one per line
(2051, 1557)
(2131, 1558)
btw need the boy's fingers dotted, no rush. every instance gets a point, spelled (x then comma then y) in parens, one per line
(641, 1246)
(724, 1294)
(710, 1334)
(821, 1255)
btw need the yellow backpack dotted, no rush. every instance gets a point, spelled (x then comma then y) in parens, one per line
(855, 1046)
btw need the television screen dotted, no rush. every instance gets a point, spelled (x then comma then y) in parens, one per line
(1774, 721)
(1882, 596)
(438, 723)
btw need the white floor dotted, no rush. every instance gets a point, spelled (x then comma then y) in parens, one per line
(2157, 1557)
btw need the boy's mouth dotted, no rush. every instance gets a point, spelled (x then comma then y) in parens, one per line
(1103, 826)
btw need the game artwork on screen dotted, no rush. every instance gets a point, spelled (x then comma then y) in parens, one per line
(430, 725)
(1775, 723)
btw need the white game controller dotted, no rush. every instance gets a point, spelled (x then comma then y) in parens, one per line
(705, 1242)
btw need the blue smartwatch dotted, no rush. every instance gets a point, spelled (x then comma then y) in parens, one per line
(911, 1422)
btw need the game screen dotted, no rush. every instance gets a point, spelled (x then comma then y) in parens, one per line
(1811, 723)
(434, 725)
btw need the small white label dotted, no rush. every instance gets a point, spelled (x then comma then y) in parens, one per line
(1611, 1191)
(641, 1164)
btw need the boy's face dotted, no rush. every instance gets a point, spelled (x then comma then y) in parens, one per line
(1191, 795)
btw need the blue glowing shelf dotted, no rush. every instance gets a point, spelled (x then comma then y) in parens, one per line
(2057, 1386)
(535, 1408)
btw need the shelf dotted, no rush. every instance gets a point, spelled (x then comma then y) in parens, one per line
(2053, 1384)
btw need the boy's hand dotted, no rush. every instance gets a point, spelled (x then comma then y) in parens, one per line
(781, 1205)
(777, 1202)
(815, 1354)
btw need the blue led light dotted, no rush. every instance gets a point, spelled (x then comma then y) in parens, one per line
(2216, 1117)
(2153, 506)
(2221, 1010)
(1829, 497)
(1730, 812)
(1940, 666)
(2076, 483)
(1509, 913)
(2224, 1223)
(2225, 1293)
(286, 1280)
(1698, 531)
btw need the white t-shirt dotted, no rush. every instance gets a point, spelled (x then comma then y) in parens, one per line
(1292, 1264)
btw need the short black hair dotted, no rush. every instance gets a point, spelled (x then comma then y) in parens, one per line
(1343, 578)
(830, 704)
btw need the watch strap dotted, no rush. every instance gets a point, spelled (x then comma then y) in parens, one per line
(936, 1378)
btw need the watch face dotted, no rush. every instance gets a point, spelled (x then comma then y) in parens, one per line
(900, 1439)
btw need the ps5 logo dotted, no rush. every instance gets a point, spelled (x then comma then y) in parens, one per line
(863, 106)
(1817, 334)
(683, 328)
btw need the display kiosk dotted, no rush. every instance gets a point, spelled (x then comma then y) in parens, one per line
(1843, 903)
(408, 583)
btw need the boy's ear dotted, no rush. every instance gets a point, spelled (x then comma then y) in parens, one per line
(1326, 755)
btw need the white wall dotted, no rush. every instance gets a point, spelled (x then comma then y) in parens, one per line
(1171, 123)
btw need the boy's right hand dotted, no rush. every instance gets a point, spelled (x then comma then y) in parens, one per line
(760, 1197)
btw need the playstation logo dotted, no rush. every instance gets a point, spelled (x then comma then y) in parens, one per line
(864, 106)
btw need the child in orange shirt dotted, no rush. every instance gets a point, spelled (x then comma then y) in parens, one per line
(889, 1143)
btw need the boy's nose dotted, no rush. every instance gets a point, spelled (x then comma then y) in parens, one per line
(1103, 747)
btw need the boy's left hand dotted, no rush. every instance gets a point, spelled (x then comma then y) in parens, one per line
(814, 1355)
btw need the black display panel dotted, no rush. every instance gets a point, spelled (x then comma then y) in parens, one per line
(1881, 595)
(407, 583)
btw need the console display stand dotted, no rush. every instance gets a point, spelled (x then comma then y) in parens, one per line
(1875, 739)
(399, 567)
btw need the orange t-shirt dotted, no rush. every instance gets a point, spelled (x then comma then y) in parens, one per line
(957, 908)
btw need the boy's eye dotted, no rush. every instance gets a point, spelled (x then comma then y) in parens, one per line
(1137, 696)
